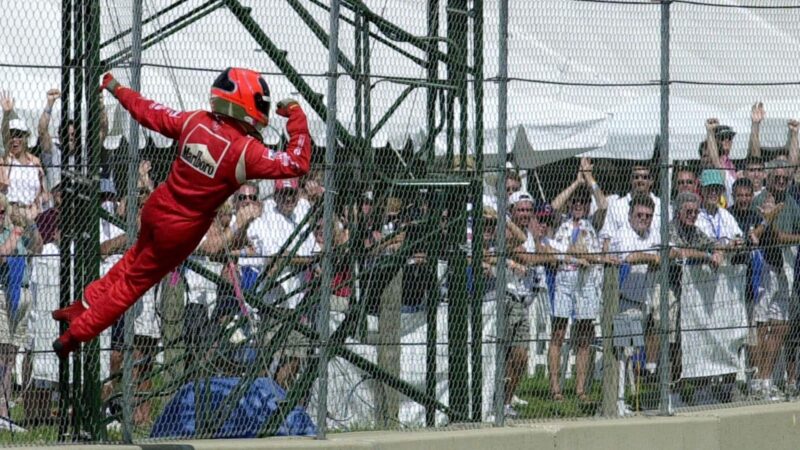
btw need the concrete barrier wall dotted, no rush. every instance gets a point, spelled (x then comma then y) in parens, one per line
(767, 427)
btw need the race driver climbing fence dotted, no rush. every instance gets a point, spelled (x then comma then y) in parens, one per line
(494, 250)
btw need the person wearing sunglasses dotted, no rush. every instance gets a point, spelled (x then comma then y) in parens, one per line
(776, 313)
(641, 181)
(688, 245)
(22, 178)
(686, 181)
(218, 151)
(636, 245)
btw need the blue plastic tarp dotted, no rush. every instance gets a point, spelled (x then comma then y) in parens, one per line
(179, 418)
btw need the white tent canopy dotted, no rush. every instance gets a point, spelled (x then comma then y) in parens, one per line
(609, 51)
(546, 124)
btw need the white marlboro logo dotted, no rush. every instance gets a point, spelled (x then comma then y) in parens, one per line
(198, 156)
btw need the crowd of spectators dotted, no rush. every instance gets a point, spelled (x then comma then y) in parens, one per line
(721, 214)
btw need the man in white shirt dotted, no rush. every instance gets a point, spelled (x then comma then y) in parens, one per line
(270, 232)
(617, 217)
(637, 246)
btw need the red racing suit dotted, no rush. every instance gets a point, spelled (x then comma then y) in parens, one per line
(215, 156)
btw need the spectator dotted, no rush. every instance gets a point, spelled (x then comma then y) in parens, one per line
(637, 245)
(718, 144)
(16, 241)
(687, 245)
(754, 151)
(268, 234)
(537, 255)
(749, 220)
(520, 295)
(715, 222)
(577, 289)
(517, 330)
(246, 209)
(53, 158)
(777, 307)
(686, 181)
(641, 182)
(754, 172)
(21, 177)
(599, 203)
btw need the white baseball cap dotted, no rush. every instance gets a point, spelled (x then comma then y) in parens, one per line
(19, 125)
(520, 196)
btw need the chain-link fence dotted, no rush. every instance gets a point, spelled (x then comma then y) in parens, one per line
(515, 210)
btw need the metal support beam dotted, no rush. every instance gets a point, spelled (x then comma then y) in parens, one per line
(306, 17)
(164, 32)
(477, 233)
(278, 56)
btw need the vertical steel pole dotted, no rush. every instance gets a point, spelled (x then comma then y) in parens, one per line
(131, 213)
(78, 264)
(92, 236)
(664, 363)
(65, 284)
(433, 299)
(477, 198)
(500, 285)
(330, 159)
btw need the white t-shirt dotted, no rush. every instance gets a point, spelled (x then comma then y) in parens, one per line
(617, 216)
(638, 283)
(720, 226)
(300, 211)
(269, 233)
(23, 182)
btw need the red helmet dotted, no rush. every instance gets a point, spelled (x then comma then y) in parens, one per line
(243, 95)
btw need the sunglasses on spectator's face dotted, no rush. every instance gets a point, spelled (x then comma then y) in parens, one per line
(780, 178)
(641, 176)
(644, 216)
(144, 192)
(686, 181)
(726, 138)
(243, 197)
(691, 211)
(18, 134)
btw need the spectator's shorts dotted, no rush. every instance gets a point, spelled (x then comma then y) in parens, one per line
(575, 297)
(518, 324)
(773, 297)
(14, 330)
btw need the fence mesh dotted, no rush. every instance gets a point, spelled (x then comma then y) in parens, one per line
(450, 269)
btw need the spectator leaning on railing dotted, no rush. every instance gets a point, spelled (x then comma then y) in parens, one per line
(636, 245)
